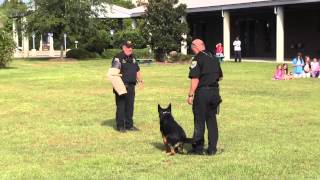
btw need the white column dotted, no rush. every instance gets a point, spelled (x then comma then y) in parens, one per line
(226, 34)
(15, 32)
(184, 43)
(51, 50)
(33, 41)
(65, 41)
(33, 50)
(280, 33)
(134, 23)
(25, 39)
(41, 41)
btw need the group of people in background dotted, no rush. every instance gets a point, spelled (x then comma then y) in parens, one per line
(302, 68)
(237, 50)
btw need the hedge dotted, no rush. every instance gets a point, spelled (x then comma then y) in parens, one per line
(131, 35)
(7, 47)
(139, 53)
(81, 54)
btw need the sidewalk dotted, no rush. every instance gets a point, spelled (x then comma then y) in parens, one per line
(260, 60)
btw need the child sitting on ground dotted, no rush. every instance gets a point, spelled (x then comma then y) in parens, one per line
(298, 65)
(307, 67)
(287, 74)
(278, 74)
(315, 68)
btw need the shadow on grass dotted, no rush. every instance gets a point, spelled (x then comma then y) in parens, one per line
(58, 59)
(109, 122)
(159, 146)
(8, 68)
(33, 59)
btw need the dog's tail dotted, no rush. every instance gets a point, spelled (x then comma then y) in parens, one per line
(188, 140)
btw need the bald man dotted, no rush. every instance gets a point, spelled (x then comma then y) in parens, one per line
(205, 74)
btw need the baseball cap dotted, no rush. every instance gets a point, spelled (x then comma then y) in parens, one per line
(127, 43)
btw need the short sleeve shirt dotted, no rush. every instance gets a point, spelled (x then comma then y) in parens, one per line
(299, 64)
(206, 68)
(237, 45)
(128, 67)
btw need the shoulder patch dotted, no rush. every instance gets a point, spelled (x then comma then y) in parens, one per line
(193, 64)
(134, 60)
(117, 59)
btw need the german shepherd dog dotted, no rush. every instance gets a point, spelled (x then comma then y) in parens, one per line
(172, 133)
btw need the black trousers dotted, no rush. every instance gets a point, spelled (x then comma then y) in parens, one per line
(205, 107)
(125, 107)
(237, 55)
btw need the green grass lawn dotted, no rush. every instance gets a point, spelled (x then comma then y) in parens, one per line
(57, 118)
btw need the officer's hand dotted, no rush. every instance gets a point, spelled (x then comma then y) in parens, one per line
(141, 85)
(190, 100)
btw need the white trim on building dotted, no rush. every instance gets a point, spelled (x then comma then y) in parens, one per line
(194, 6)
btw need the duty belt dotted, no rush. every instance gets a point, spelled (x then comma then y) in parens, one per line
(208, 87)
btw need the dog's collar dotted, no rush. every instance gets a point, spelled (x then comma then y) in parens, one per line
(166, 112)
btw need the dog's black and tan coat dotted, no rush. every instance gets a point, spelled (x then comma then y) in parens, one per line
(173, 135)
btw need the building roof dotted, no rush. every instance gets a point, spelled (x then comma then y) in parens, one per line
(215, 5)
(112, 11)
(138, 11)
(202, 6)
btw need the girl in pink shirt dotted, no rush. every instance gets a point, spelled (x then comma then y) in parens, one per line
(279, 74)
(315, 68)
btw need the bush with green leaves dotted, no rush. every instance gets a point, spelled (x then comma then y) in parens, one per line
(138, 53)
(143, 53)
(133, 35)
(164, 23)
(99, 42)
(7, 47)
(178, 57)
(110, 53)
(81, 54)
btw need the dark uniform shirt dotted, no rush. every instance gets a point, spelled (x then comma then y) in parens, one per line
(207, 69)
(128, 67)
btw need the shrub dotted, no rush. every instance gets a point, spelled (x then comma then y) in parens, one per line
(99, 42)
(143, 53)
(132, 35)
(81, 54)
(110, 53)
(178, 57)
(7, 47)
(185, 57)
(139, 53)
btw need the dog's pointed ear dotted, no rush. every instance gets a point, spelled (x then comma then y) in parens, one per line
(159, 108)
(169, 107)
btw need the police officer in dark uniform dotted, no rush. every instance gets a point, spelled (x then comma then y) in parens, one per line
(130, 71)
(205, 73)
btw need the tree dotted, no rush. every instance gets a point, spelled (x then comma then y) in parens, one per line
(123, 3)
(164, 26)
(7, 47)
(129, 34)
(73, 17)
(2, 17)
